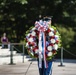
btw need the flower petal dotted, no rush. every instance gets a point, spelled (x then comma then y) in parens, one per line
(51, 34)
(49, 54)
(55, 46)
(49, 48)
(53, 41)
(30, 39)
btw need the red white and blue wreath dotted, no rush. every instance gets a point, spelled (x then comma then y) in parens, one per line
(52, 41)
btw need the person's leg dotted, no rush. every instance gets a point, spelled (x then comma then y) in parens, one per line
(41, 70)
(2, 45)
(49, 69)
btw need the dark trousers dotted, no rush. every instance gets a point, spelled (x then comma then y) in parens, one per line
(45, 71)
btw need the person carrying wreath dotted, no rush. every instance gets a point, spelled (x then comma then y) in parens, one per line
(48, 69)
(42, 42)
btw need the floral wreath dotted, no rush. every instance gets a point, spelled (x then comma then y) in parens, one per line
(53, 42)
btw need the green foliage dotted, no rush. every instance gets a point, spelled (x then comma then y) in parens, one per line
(22, 1)
(12, 19)
(67, 35)
(57, 33)
(16, 17)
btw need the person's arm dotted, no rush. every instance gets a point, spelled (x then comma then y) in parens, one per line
(1, 39)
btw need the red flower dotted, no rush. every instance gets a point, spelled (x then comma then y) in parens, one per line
(48, 30)
(37, 32)
(31, 43)
(57, 41)
(35, 48)
(52, 37)
(32, 36)
(54, 51)
(51, 44)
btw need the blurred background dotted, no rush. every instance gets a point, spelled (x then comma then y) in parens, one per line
(17, 16)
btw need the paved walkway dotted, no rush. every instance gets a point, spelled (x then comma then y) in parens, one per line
(21, 68)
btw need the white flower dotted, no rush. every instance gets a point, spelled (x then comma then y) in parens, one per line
(49, 54)
(52, 40)
(33, 33)
(55, 46)
(49, 48)
(51, 29)
(27, 44)
(30, 39)
(51, 34)
(31, 48)
(56, 36)
(41, 21)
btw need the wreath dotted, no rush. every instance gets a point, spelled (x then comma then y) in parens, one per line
(53, 40)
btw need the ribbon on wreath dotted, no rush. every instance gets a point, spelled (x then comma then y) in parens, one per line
(42, 27)
(40, 50)
(44, 50)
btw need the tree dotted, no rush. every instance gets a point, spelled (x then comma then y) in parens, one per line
(12, 18)
(16, 16)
